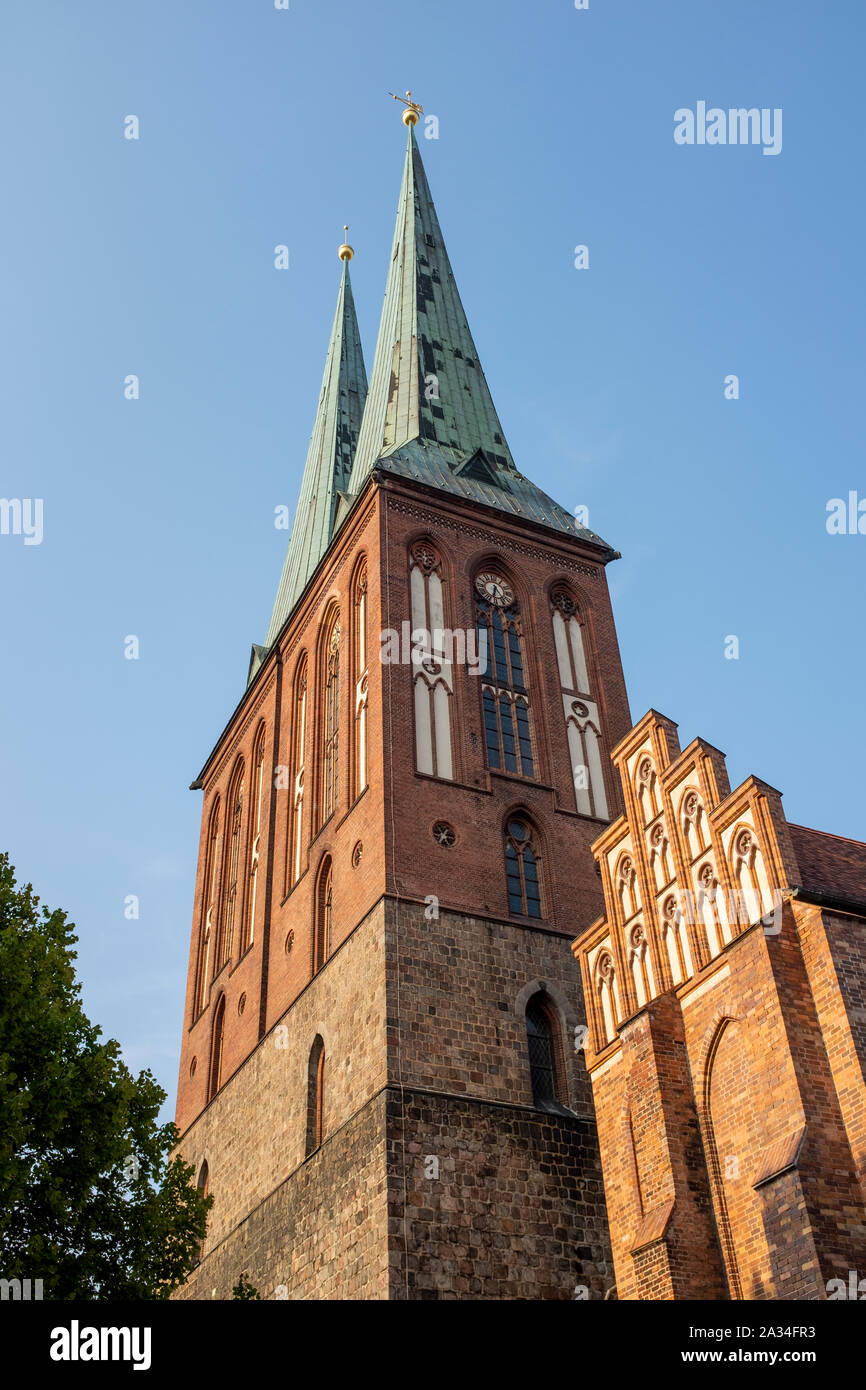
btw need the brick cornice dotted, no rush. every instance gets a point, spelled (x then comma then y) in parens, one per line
(431, 518)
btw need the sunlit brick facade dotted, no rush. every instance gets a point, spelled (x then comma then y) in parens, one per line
(727, 1034)
(379, 1076)
(396, 1080)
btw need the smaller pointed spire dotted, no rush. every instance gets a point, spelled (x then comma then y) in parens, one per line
(331, 451)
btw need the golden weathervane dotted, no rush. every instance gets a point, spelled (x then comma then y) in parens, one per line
(413, 109)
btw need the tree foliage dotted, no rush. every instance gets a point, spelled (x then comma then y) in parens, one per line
(244, 1289)
(90, 1200)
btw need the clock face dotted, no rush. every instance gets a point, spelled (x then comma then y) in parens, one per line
(494, 588)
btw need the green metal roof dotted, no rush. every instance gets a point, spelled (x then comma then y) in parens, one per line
(429, 413)
(329, 457)
(466, 475)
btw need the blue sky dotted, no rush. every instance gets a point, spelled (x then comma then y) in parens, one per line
(261, 127)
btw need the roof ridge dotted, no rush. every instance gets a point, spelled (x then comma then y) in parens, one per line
(828, 834)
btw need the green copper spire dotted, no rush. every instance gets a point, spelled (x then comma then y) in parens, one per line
(329, 458)
(429, 413)
(427, 382)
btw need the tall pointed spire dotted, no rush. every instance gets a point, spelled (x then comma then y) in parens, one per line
(429, 413)
(427, 382)
(329, 457)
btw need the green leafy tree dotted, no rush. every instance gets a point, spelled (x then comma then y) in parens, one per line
(90, 1200)
(244, 1289)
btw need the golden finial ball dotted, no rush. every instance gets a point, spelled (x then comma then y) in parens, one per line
(345, 252)
(412, 111)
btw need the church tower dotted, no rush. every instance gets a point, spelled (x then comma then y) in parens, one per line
(381, 1077)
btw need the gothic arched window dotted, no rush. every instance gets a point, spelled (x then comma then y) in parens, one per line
(641, 965)
(431, 676)
(676, 939)
(296, 787)
(753, 889)
(712, 908)
(362, 679)
(694, 824)
(582, 719)
(233, 882)
(215, 1079)
(504, 684)
(255, 837)
(203, 1185)
(545, 1055)
(606, 994)
(323, 913)
(659, 854)
(316, 1096)
(522, 868)
(209, 911)
(627, 887)
(646, 787)
(330, 727)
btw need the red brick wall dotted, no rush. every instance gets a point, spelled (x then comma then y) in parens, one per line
(730, 1108)
(434, 1004)
(393, 818)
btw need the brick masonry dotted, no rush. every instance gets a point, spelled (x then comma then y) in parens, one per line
(735, 1095)
(516, 1211)
(710, 1075)
(517, 1198)
(415, 1000)
(320, 1234)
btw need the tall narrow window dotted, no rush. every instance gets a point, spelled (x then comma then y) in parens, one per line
(323, 911)
(209, 912)
(432, 675)
(215, 1079)
(203, 1185)
(647, 791)
(299, 736)
(694, 824)
(522, 869)
(627, 887)
(504, 687)
(607, 994)
(713, 908)
(641, 965)
(659, 854)
(316, 1096)
(362, 681)
(545, 1055)
(676, 938)
(330, 720)
(582, 722)
(753, 888)
(232, 877)
(255, 837)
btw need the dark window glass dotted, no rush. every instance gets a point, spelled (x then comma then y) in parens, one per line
(521, 870)
(523, 736)
(507, 732)
(541, 1061)
(491, 731)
